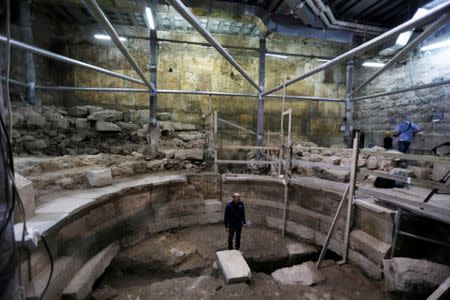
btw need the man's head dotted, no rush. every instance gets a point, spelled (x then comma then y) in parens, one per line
(236, 197)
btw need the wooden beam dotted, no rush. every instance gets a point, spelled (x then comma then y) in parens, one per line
(442, 187)
(245, 162)
(245, 147)
(424, 209)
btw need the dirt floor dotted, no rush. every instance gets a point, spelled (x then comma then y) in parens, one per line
(179, 265)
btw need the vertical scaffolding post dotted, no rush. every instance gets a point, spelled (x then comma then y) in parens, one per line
(351, 194)
(215, 142)
(27, 32)
(153, 81)
(349, 105)
(262, 78)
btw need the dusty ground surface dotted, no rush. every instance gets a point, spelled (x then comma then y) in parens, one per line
(179, 265)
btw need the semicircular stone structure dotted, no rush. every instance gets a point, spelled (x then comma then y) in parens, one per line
(80, 224)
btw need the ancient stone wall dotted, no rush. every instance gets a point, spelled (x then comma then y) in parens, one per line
(191, 67)
(374, 116)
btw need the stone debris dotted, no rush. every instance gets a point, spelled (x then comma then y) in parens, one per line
(99, 177)
(305, 274)
(413, 275)
(176, 252)
(233, 266)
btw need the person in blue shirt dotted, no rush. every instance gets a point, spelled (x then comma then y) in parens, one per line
(234, 220)
(405, 132)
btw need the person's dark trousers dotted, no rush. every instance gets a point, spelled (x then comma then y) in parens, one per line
(231, 232)
(403, 146)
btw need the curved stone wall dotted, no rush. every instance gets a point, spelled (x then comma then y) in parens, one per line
(78, 225)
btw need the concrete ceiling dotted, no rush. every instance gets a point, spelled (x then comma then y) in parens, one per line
(250, 17)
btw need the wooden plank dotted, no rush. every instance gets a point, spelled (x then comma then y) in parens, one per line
(426, 158)
(442, 187)
(245, 162)
(245, 147)
(424, 209)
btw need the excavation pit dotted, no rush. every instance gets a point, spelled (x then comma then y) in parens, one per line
(152, 269)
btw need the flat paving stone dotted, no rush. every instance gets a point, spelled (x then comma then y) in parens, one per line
(233, 266)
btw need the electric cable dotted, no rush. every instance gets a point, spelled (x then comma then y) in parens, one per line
(411, 79)
(8, 64)
(50, 256)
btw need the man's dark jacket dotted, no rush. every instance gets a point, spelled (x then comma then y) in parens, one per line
(234, 215)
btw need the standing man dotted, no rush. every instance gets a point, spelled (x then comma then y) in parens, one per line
(405, 132)
(234, 220)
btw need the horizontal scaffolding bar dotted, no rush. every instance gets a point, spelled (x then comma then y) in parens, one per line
(413, 23)
(440, 243)
(230, 47)
(245, 162)
(101, 18)
(244, 147)
(62, 58)
(179, 92)
(184, 11)
(413, 88)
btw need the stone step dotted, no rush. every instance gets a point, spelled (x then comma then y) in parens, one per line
(64, 268)
(369, 246)
(81, 284)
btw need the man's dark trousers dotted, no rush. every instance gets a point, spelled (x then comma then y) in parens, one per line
(231, 231)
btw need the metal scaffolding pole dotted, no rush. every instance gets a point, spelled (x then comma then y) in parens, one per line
(66, 59)
(98, 14)
(413, 88)
(178, 92)
(262, 78)
(184, 11)
(349, 105)
(27, 33)
(411, 46)
(153, 81)
(431, 15)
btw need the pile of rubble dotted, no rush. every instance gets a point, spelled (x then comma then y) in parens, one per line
(334, 163)
(91, 129)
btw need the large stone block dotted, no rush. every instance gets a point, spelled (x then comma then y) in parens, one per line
(106, 126)
(99, 177)
(81, 284)
(106, 115)
(212, 206)
(369, 246)
(305, 274)
(26, 192)
(413, 275)
(233, 266)
(189, 154)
